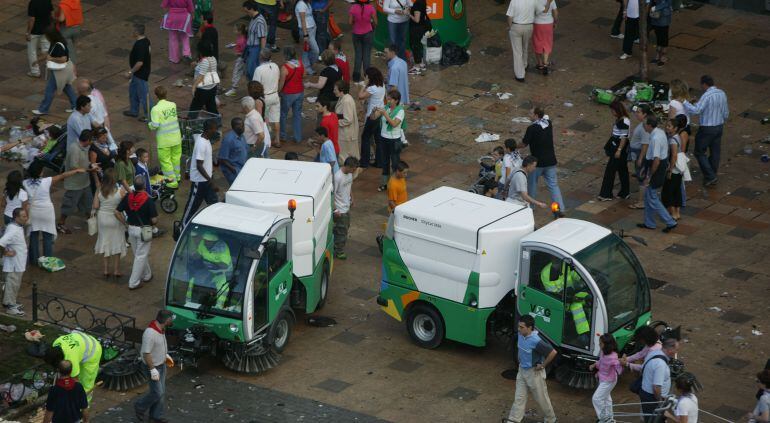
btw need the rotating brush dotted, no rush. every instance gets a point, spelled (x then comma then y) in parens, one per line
(253, 362)
(124, 373)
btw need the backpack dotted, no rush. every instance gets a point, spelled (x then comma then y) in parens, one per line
(636, 386)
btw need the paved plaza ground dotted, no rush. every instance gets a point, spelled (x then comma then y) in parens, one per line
(365, 368)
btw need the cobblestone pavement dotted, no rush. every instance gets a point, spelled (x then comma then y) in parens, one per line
(715, 260)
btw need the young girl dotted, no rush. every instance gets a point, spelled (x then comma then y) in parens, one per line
(686, 410)
(14, 196)
(239, 67)
(671, 195)
(608, 369)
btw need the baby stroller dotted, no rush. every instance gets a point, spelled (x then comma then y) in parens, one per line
(486, 173)
(54, 158)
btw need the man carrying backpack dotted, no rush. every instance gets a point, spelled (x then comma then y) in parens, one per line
(656, 378)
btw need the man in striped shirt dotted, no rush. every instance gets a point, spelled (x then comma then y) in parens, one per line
(256, 37)
(712, 111)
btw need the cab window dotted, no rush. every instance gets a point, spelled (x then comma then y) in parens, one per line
(277, 251)
(260, 293)
(545, 274)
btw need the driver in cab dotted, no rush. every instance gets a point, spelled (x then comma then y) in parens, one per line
(212, 265)
(553, 274)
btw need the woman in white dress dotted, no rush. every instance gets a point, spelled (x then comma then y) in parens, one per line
(110, 241)
(42, 217)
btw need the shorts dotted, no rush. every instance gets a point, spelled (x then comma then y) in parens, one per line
(272, 108)
(77, 200)
(661, 35)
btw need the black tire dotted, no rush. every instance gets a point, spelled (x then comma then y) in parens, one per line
(425, 326)
(280, 331)
(168, 204)
(323, 288)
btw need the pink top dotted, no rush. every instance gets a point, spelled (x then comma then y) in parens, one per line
(641, 356)
(362, 18)
(240, 44)
(179, 16)
(609, 367)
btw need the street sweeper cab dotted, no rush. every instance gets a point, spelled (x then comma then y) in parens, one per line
(241, 268)
(461, 266)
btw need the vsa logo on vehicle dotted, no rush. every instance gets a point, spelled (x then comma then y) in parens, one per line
(540, 311)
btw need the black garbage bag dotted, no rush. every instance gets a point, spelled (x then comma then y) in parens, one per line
(434, 41)
(453, 55)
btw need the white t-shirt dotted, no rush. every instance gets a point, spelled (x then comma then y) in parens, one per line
(342, 186)
(303, 7)
(98, 112)
(376, 98)
(523, 11)
(632, 9)
(547, 17)
(518, 185)
(11, 205)
(201, 151)
(390, 7)
(13, 239)
(679, 108)
(253, 125)
(268, 75)
(688, 406)
(395, 132)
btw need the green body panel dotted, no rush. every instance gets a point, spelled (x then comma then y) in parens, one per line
(451, 26)
(218, 325)
(278, 291)
(312, 283)
(472, 292)
(462, 323)
(394, 269)
(547, 311)
(624, 336)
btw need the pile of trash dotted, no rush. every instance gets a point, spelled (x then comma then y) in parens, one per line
(21, 145)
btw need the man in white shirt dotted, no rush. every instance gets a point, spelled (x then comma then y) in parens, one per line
(656, 378)
(253, 126)
(268, 74)
(201, 168)
(657, 163)
(343, 199)
(98, 113)
(155, 356)
(14, 261)
(521, 16)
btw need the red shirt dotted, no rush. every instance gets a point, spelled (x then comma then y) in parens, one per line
(342, 63)
(332, 125)
(293, 82)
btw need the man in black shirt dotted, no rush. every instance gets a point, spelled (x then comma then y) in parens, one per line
(38, 21)
(140, 215)
(140, 62)
(539, 138)
(67, 401)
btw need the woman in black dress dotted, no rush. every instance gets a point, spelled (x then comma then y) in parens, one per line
(100, 154)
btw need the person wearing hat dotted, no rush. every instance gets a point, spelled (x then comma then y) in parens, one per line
(214, 268)
(155, 355)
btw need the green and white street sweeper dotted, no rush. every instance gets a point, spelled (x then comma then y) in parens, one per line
(461, 266)
(240, 268)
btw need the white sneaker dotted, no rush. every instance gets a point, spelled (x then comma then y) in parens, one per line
(13, 311)
(68, 110)
(618, 36)
(624, 56)
(230, 93)
(38, 112)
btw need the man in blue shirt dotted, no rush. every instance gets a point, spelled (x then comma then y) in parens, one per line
(234, 151)
(325, 146)
(656, 378)
(398, 76)
(79, 120)
(712, 111)
(534, 356)
(321, 17)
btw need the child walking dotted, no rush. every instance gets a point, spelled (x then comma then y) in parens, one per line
(239, 67)
(608, 369)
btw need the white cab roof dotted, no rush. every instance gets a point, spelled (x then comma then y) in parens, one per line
(452, 216)
(290, 177)
(237, 218)
(569, 235)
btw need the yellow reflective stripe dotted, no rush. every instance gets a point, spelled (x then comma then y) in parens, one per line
(88, 341)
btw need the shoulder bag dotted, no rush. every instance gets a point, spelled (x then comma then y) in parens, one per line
(50, 64)
(636, 386)
(211, 77)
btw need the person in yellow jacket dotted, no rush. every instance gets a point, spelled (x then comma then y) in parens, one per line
(83, 351)
(164, 121)
(552, 276)
(214, 269)
(582, 325)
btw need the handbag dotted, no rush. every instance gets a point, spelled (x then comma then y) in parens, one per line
(211, 77)
(50, 64)
(636, 386)
(610, 146)
(92, 226)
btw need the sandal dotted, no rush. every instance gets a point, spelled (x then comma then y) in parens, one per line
(382, 188)
(63, 229)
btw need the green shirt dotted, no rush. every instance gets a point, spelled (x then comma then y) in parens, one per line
(125, 172)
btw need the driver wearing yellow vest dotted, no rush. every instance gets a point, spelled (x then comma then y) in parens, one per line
(554, 284)
(164, 121)
(217, 264)
(582, 325)
(83, 351)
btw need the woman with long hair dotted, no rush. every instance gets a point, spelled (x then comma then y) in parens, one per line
(124, 167)
(42, 217)
(61, 72)
(616, 150)
(680, 92)
(204, 89)
(110, 241)
(373, 96)
(14, 196)
(671, 195)
(608, 369)
(100, 154)
(362, 18)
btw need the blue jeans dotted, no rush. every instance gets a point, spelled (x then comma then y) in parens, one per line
(397, 34)
(34, 245)
(50, 92)
(139, 96)
(293, 102)
(708, 139)
(322, 36)
(153, 400)
(270, 12)
(653, 206)
(309, 57)
(549, 174)
(252, 60)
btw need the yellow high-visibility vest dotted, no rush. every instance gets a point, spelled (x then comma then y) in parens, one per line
(164, 121)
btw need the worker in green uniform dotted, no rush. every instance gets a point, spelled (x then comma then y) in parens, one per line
(83, 351)
(582, 325)
(215, 266)
(554, 282)
(164, 121)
